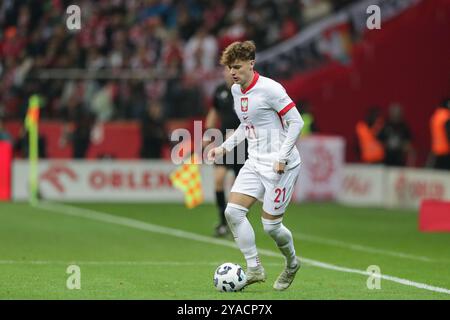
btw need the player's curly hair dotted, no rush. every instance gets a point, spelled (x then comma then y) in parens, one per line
(244, 51)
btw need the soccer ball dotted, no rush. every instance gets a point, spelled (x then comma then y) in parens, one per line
(229, 277)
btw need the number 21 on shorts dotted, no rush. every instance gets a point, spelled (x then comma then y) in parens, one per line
(279, 192)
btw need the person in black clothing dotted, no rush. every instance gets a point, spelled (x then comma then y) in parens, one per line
(78, 131)
(223, 111)
(81, 136)
(152, 132)
(396, 137)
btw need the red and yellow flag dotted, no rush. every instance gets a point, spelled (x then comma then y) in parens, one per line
(32, 117)
(188, 179)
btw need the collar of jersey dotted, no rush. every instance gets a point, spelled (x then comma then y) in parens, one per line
(252, 84)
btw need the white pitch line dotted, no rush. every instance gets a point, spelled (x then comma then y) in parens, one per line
(109, 218)
(357, 247)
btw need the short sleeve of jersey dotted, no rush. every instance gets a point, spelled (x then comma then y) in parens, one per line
(279, 99)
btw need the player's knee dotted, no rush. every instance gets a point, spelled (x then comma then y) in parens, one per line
(235, 213)
(271, 227)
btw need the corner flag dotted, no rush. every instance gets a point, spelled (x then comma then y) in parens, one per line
(188, 179)
(31, 123)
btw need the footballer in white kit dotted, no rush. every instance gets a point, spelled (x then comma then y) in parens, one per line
(263, 109)
(271, 124)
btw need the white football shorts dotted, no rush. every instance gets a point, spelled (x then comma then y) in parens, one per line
(272, 189)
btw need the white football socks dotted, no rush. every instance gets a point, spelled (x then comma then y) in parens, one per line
(283, 239)
(243, 233)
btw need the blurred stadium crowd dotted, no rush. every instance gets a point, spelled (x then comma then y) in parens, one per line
(177, 41)
(150, 61)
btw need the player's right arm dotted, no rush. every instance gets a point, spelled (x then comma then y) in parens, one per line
(236, 138)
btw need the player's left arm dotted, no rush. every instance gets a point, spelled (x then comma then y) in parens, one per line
(294, 122)
(289, 114)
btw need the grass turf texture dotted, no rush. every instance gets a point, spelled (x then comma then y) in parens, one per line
(120, 262)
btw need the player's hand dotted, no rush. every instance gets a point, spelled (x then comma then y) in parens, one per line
(279, 167)
(215, 153)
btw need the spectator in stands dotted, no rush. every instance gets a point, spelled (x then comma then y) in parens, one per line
(131, 100)
(200, 53)
(440, 136)
(79, 134)
(153, 135)
(172, 55)
(370, 149)
(315, 9)
(396, 138)
(13, 43)
(183, 98)
(236, 31)
(186, 20)
(71, 101)
(289, 26)
(102, 104)
(162, 36)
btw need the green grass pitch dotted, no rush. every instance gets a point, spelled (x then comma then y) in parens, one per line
(164, 251)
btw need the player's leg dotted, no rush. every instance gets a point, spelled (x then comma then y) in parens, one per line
(283, 238)
(277, 197)
(244, 235)
(246, 190)
(220, 172)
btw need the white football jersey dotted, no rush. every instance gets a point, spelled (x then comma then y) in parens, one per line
(261, 108)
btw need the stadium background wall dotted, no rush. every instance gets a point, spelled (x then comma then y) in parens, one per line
(385, 61)
(148, 181)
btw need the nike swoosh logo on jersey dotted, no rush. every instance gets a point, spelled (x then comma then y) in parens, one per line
(245, 118)
(276, 208)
